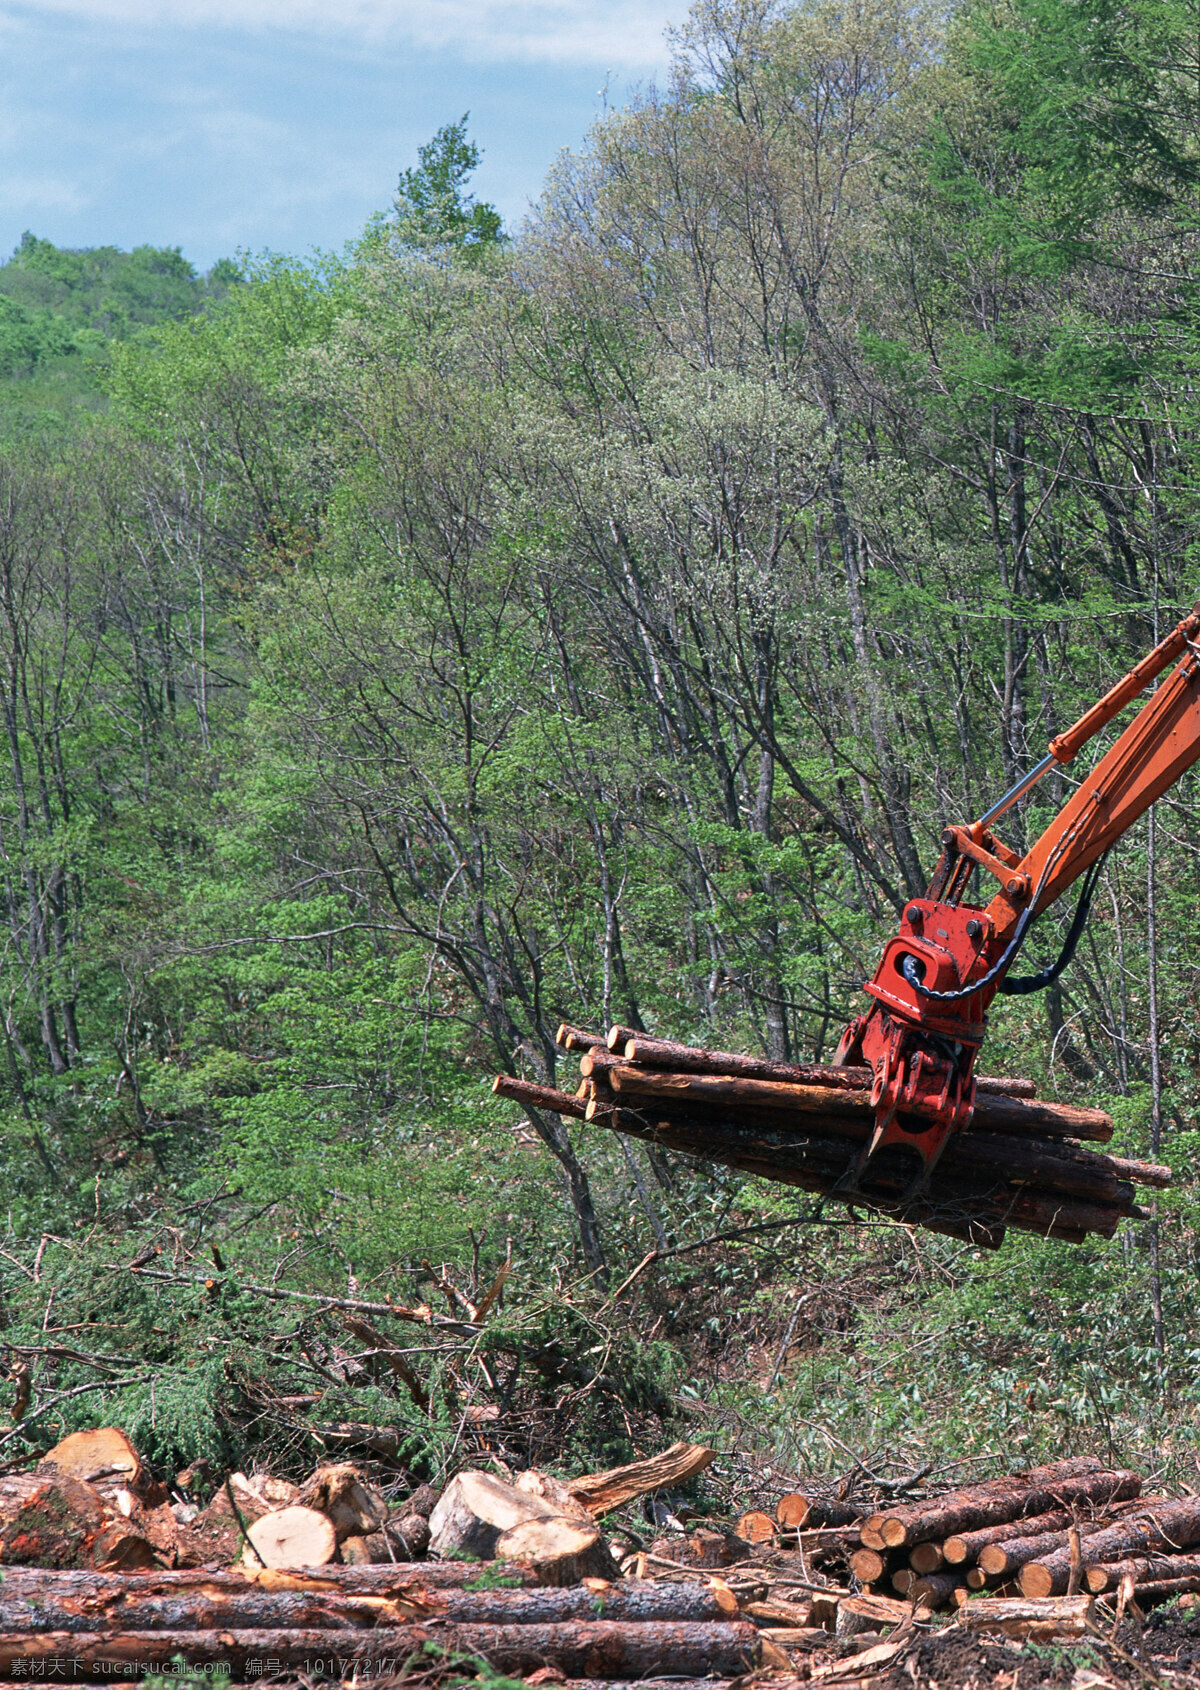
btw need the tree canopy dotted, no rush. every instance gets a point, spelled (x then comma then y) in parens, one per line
(405, 653)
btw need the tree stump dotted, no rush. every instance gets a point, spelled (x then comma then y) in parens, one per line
(292, 1537)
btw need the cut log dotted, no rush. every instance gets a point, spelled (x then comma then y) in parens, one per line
(104, 1457)
(984, 1182)
(926, 1558)
(1005, 1486)
(966, 1546)
(1169, 1525)
(1142, 1173)
(1016, 1116)
(903, 1578)
(365, 1551)
(976, 1208)
(631, 1601)
(541, 1097)
(601, 1492)
(868, 1565)
(599, 1649)
(774, 1612)
(577, 1038)
(408, 1535)
(792, 1511)
(343, 1494)
(392, 1581)
(1005, 1498)
(561, 1551)
(702, 1548)
(936, 1590)
(1168, 1590)
(204, 1607)
(756, 1527)
(237, 1503)
(263, 1492)
(875, 1610)
(474, 1510)
(423, 1501)
(1005, 1559)
(641, 1050)
(50, 1519)
(797, 1512)
(1142, 1569)
(666, 1053)
(1067, 1616)
(292, 1537)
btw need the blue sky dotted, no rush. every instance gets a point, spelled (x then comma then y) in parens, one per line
(219, 125)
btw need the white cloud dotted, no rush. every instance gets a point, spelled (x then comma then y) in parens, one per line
(23, 195)
(621, 34)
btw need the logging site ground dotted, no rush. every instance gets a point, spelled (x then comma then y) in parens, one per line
(413, 659)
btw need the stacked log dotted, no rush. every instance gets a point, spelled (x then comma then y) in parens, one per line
(325, 1625)
(1072, 1526)
(1020, 1163)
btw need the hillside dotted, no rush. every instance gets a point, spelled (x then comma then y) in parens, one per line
(60, 309)
(408, 652)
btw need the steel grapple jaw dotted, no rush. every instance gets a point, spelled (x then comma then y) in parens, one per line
(920, 1038)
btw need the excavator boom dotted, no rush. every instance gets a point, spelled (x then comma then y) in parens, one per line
(938, 976)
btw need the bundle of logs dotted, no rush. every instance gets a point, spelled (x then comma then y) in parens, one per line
(1019, 1163)
(357, 1622)
(1072, 1527)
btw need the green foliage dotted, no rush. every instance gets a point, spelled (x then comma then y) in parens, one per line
(414, 655)
(432, 210)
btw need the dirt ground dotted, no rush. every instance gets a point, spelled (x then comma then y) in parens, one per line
(1164, 1652)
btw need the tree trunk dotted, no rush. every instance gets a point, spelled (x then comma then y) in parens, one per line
(581, 1649)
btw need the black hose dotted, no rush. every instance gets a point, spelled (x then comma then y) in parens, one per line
(911, 964)
(1030, 982)
(1047, 976)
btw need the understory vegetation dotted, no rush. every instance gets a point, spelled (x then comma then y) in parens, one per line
(404, 652)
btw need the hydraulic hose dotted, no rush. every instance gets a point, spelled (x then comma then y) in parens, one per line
(1028, 983)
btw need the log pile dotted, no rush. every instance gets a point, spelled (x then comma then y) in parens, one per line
(1021, 1162)
(525, 1579)
(1074, 1527)
(344, 1623)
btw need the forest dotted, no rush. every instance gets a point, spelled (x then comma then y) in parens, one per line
(406, 650)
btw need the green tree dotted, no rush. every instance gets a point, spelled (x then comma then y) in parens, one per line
(432, 208)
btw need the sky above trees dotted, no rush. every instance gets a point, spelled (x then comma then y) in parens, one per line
(218, 125)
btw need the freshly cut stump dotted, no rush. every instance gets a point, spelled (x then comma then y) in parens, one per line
(474, 1512)
(343, 1494)
(292, 1537)
(103, 1456)
(562, 1551)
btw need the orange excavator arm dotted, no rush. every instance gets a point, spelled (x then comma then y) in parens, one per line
(938, 976)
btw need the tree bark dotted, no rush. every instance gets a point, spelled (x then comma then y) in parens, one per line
(1004, 1498)
(594, 1649)
(1170, 1525)
(963, 1547)
(1144, 1569)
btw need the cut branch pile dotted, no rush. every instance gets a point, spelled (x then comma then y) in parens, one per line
(1019, 1164)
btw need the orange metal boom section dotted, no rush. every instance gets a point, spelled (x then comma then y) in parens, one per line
(926, 1023)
